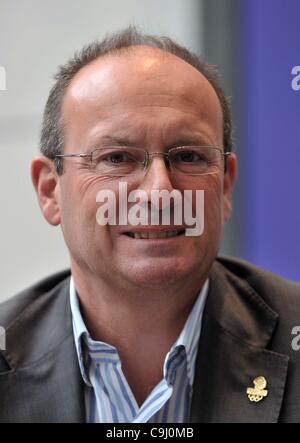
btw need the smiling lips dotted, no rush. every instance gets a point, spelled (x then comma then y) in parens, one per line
(154, 234)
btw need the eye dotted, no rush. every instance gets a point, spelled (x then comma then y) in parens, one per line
(188, 157)
(115, 157)
(118, 157)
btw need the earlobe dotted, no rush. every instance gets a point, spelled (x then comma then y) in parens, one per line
(229, 179)
(45, 182)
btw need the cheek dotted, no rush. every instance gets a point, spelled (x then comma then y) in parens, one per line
(209, 242)
(78, 206)
(83, 235)
(213, 206)
(213, 201)
(79, 196)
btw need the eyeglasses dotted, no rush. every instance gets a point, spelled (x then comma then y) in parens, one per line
(122, 161)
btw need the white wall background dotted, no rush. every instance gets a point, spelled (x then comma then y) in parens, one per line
(36, 36)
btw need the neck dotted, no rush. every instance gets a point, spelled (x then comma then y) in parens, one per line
(124, 315)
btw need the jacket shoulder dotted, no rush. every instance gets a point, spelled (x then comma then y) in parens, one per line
(280, 294)
(14, 306)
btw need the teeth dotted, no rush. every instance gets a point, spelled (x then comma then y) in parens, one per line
(147, 235)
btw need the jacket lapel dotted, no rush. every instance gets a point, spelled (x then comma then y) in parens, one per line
(237, 326)
(43, 382)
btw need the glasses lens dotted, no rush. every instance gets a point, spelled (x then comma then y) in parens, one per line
(196, 160)
(118, 161)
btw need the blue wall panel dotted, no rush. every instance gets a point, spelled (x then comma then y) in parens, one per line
(269, 142)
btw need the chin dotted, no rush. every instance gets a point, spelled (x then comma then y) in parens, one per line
(159, 274)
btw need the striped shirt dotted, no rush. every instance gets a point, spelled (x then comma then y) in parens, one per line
(108, 396)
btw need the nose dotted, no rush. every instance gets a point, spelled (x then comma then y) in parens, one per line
(157, 175)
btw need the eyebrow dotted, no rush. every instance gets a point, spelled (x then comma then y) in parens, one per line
(122, 141)
(182, 140)
(190, 141)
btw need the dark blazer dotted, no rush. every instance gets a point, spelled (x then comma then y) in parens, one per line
(246, 333)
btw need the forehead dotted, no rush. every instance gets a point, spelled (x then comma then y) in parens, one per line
(142, 80)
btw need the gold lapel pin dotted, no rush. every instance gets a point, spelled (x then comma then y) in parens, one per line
(259, 391)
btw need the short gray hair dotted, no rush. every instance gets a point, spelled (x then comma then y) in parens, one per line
(51, 139)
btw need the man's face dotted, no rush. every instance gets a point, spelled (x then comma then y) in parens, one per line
(154, 102)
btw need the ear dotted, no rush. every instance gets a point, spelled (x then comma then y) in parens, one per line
(46, 183)
(229, 179)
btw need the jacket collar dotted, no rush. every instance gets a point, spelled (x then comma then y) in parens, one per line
(237, 327)
(39, 328)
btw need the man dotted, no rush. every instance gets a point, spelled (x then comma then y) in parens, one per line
(148, 326)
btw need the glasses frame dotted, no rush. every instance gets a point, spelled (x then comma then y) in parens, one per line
(148, 155)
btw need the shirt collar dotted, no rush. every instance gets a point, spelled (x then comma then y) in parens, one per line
(189, 336)
(79, 331)
(187, 340)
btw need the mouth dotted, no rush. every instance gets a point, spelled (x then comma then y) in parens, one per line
(142, 235)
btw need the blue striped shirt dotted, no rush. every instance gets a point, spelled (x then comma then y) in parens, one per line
(108, 397)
